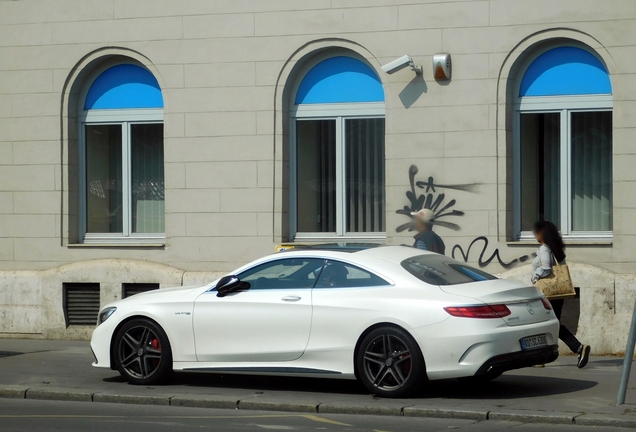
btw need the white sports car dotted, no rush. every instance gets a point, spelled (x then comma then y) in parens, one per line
(390, 316)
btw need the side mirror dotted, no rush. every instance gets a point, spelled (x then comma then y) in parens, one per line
(228, 284)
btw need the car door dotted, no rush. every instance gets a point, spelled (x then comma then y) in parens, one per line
(345, 299)
(269, 322)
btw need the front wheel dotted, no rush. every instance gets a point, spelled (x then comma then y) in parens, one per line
(390, 363)
(142, 352)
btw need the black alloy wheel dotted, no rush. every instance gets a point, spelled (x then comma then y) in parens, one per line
(390, 363)
(142, 352)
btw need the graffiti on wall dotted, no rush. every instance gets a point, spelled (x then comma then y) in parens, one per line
(424, 194)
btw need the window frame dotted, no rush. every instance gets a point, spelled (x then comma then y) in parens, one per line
(565, 106)
(342, 113)
(124, 118)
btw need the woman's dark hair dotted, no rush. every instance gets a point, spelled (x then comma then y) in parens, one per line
(551, 238)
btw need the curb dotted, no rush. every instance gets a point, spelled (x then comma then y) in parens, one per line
(225, 402)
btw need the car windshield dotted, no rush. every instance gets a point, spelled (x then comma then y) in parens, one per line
(437, 269)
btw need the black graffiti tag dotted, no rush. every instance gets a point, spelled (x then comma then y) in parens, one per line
(484, 262)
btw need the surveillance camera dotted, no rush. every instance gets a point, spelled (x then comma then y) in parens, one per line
(401, 63)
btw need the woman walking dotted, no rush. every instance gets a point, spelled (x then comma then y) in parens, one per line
(552, 248)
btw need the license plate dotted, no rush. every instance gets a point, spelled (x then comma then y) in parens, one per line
(534, 342)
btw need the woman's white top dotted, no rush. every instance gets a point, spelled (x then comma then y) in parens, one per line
(542, 263)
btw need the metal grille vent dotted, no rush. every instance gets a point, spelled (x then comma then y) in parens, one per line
(81, 303)
(130, 289)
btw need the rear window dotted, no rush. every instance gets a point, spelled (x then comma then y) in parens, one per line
(437, 269)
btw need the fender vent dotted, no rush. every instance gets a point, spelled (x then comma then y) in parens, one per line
(130, 289)
(81, 303)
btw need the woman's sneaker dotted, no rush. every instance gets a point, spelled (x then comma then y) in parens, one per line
(584, 356)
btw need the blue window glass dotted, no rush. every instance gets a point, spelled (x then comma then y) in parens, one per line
(565, 71)
(340, 80)
(124, 86)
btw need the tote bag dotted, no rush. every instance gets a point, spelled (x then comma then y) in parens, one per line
(558, 284)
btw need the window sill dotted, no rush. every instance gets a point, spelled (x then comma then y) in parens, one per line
(117, 245)
(581, 242)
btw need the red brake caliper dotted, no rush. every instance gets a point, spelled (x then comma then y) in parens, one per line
(155, 345)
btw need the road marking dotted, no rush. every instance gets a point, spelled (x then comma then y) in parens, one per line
(311, 417)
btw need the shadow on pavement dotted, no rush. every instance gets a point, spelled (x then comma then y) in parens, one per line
(505, 387)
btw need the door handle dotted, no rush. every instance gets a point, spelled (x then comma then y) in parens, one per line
(290, 298)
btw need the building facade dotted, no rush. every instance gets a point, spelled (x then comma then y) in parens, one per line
(147, 144)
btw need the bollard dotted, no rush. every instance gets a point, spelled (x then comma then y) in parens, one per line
(627, 362)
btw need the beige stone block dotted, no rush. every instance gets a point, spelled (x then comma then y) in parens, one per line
(6, 153)
(5, 106)
(218, 26)
(265, 174)
(6, 202)
(29, 128)
(194, 100)
(239, 74)
(118, 30)
(326, 21)
(477, 40)
(226, 148)
(414, 146)
(41, 11)
(27, 177)
(444, 15)
(25, 225)
(173, 124)
(470, 92)
(215, 250)
(625, 292)
(622, 139)
(265, 119)
(175, 224)
(505, 13)
(268, 72)
(220, 124)
(470, 67)
(597, 318)
(222, 224)
(36, 152)
(37, 202)
(25, 34)
(265, 224)
(20, 319)
(143, 8)
(468, 144)
(211, 175)
(171, 76)
(624, 168)
(247, 200)
(25, 81)
(418, 43)
(440, 119)
(6, 249)
(35, 105)
(174, 175)
(193, 200)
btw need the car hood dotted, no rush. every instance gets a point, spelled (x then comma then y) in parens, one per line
(163, 293)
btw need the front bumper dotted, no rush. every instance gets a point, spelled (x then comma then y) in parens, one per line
(518, 360)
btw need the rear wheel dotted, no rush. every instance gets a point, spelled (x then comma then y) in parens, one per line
(390, 363)
(142, 352)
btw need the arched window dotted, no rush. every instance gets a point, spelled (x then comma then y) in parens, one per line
(337, 157)
(121, 156)
(563, 135)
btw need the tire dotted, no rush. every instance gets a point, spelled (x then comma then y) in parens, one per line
(142, 352)
(390, 363)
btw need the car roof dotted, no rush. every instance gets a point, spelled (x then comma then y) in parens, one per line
(394, 254)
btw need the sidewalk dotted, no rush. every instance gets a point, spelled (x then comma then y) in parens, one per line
(558, 393)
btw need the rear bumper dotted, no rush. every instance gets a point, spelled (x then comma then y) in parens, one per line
(518, 360)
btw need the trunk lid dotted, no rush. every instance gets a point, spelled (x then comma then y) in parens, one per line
(523, 301)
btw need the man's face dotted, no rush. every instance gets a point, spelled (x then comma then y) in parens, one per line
(419, 225)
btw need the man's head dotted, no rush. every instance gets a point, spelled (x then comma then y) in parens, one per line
(423, 220)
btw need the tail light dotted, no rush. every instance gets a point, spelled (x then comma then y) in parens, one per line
(546, 303)
(485, 311)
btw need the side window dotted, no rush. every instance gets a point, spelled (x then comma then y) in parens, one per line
(284, 273)
(341, 275)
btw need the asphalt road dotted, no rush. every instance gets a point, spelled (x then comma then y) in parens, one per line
(38, 416)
